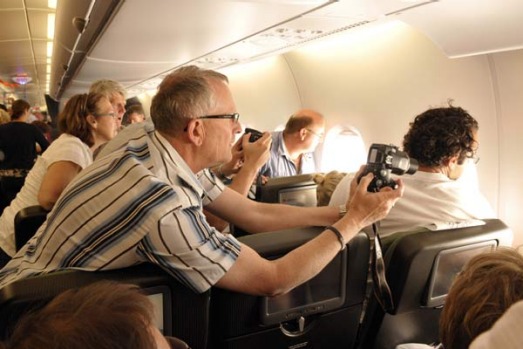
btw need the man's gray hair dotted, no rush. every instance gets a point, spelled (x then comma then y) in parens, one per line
(107, 88)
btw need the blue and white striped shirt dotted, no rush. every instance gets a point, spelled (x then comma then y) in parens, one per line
(138, 202)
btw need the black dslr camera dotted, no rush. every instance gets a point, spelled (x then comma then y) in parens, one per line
(255, 134)
(384, 160)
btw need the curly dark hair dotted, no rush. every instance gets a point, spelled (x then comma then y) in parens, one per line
(438, 134)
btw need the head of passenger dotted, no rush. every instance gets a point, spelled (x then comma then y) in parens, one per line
(89, 117)
(103, 315)
(305, 129)
(487, 286)
(113, 91)
(134, 114)
(195, 106)
(20, 110)
(442, 139)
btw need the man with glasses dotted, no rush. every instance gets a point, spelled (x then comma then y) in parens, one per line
(292, 149)
(142, 201)
(445, 143)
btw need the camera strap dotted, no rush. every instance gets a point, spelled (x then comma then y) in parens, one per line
(381, 288)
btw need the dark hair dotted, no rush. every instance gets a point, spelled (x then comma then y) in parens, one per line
(18, 109)
(184, 94)
(439, 134)
(132, 109)
(3, 107)
(42, 126)
(487, 286)
(103, 315)
(73, 118)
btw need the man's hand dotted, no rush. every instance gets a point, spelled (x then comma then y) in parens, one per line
(257, 153)
(365, 208)
(233, 166)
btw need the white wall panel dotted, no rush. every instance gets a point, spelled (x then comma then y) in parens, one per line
(508, 84)
(264, 91)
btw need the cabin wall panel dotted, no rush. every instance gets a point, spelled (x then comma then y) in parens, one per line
(265, 92)
(508, 75)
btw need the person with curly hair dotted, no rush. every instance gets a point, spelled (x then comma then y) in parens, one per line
(443, 140)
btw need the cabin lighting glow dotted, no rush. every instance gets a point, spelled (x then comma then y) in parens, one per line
(51, 4)
(50, 25)
(49, 49)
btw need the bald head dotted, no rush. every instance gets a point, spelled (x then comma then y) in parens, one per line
(302, 119)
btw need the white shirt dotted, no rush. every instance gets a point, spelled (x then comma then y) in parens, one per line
(65, 148)
(429, 198)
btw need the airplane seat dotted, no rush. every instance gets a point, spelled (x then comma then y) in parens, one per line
(299, 190)
(420, 267)
(180, 312)
(27, 222)
(322, 313)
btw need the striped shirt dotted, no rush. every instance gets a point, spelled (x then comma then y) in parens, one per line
(138, 202)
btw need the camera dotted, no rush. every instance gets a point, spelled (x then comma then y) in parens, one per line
(384, 160)
(255, 134)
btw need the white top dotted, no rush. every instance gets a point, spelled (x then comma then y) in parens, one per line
(429, 198)
(64, 148)
(506, 332)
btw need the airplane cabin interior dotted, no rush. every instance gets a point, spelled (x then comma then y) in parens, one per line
(369, 66)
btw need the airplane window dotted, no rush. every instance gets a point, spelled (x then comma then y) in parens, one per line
(343, 150)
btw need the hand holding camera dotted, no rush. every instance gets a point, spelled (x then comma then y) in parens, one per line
(384, 160)
(255, 134)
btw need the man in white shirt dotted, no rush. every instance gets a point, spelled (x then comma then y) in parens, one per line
(442, 140)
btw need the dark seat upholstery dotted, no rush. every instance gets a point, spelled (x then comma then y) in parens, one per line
(236, 318)
(188, 311)
(413, 261)
(27, 222)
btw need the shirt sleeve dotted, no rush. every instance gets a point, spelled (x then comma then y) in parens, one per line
(189, 249)
(69, 149)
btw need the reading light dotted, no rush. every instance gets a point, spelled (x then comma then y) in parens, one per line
(21, 79)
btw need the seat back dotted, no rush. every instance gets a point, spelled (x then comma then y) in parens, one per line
(420, 268)
(27, 222)
(244, 321)
(299, 190)
(180, 312)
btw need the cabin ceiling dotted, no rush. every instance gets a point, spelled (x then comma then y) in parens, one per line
(137, 42)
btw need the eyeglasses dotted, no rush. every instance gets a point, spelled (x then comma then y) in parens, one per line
(319, 135)
(234, 117)
(473, 157)
(113, 115)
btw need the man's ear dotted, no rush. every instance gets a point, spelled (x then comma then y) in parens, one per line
(452, 161)
(196, 132)
(303, 133)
